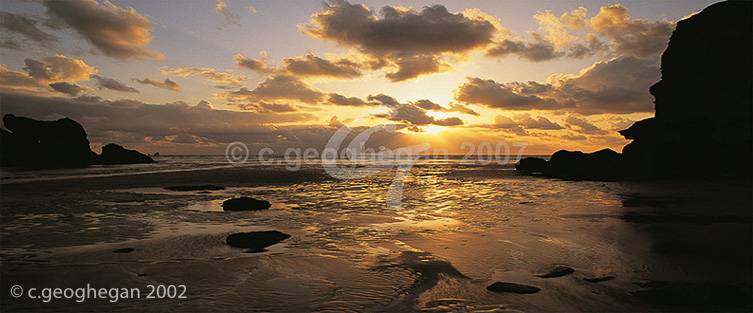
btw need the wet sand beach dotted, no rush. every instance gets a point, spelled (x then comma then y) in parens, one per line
(633, 246)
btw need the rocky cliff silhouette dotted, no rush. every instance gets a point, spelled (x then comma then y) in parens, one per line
(703, 124)
(57, 144)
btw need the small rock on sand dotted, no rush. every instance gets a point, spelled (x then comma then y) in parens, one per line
(245, 204)
(557, 271)
(256, 241)
(513, 288)
(124, 250)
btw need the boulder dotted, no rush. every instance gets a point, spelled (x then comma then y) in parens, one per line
(557, 271)
(116, 154)
(256, 241)
(512, 288)
(245, 204)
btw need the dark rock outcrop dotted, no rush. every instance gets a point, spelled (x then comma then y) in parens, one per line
(256, 241)
(57, 144)
(116, 154)
(245, 204)
(704, 101)
(604, 164)
(39, 144)
(704, 109)
(512, 288)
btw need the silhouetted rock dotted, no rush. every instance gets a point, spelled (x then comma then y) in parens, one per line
(116, 154)
(530, 165)
(194, 188)
(245, 204)
(604, 164)
(256, 241)
(557, 271)
(57, 144)
(124, 250)
(39, 144)
(513, 288)
(704, 101)
(704, 109)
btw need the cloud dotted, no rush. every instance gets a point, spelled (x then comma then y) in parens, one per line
(502, 96)
(536, 52)
(256, 65)
(428, 105)
(15, 79)
(112, 84)
(67, 88)
(130, 121)
(58, 69)
(308, 65)
(411, 40)
(311, 65)
(204, 105)
(26, 27)
(640, 37)
(384, 100)
(268, 107)
(167, 84)
(223, 9)
(401, 31)
(413, 115)
(209, 74)
(412, 67)
(609, 33)
(279, 87)
(10, 45)
(504, 122)
(116, 32)
(538, 122)
(462, 109)
(584, 126)
(339, 99)
(619, 85)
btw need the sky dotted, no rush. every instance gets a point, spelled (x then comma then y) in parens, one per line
(190, 77)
